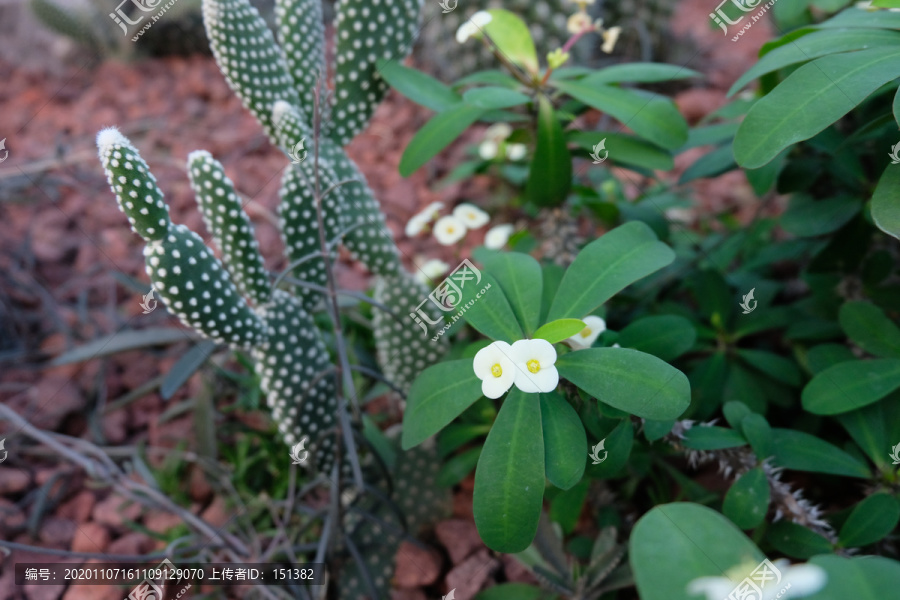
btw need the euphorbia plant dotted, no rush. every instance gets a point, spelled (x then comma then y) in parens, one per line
(541, 101)
(537, 434)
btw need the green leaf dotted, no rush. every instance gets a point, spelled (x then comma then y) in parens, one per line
(758, 432)
(796, 540)
(870, 427)
(664, 336)
(565, 443)
(457, 468)
(559, 330)
(801, 451)
(815, 45)
(871, 520)
(652, 117)
(520, 278)
(850, 385)
(810, 99)
(713, 438)
(808, 217)
(494, 98)
(417, 86)
(870, 329)
(655, 430)
(488, 77)
(777, 367)
(550, 176)
(625, 149)
(186, 366)
(513, 39)
(552, 277)
(437, 396)
(509, 479)
(436, 135)
(747, 499)
(490, 314)
(124, 341)
(886, 201)
(859, 578)
(677, 543)
(606, 266)
(637, 383)
(640, 73)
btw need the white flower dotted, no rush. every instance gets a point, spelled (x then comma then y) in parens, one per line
(593, 327)
(534, 360)
(488, 149)
(498, 132)
(610, 37)
(417, 223)
(516, 151)
(472, 216)
(795, 582)
(448, 230)
(431, 270)
(579, 22)
(497, 236)
(473, 26)
(496, 370)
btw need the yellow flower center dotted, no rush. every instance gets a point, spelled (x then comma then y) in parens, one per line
(497, 370)
(450, 229)
(585, 332)
(533, 365)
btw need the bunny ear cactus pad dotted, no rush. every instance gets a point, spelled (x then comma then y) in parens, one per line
(176, 257)
(134, 185)
(229, 225)
(403, 349)
(248, 56)
(371, 242)
(302, 35)
(367, 31)
(295, 373)
(298, 223)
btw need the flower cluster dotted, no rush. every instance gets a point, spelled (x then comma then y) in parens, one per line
(495, 145)
(529, 364)
(581, 23)
(451, 228)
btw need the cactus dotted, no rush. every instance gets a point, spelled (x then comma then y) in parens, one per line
(233, 301)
